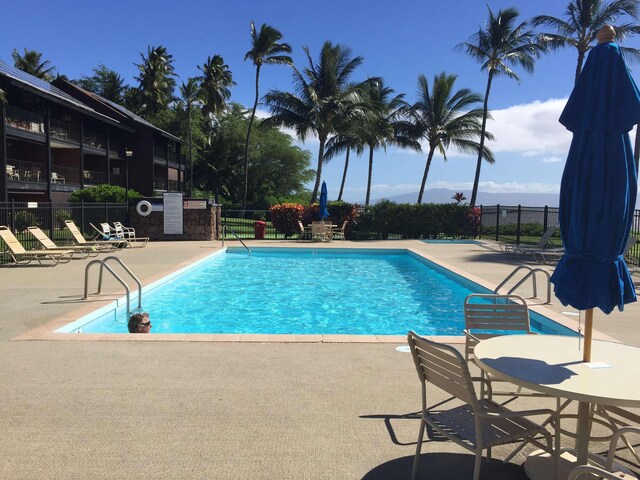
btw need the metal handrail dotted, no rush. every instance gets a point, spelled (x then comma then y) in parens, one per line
(225, 227)
(103, 265)
(531, 273)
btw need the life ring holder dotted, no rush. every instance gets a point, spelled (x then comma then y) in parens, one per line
(143, 208)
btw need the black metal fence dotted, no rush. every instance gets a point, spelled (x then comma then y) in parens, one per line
(520, 224)
(50, 217)
(243, 223)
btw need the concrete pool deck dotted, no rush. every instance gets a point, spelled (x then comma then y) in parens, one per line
(229, 410)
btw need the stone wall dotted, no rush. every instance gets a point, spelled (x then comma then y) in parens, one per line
(201, 224)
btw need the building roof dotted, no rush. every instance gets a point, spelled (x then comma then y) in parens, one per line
(48, 90)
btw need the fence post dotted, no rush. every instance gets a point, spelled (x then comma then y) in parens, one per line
(481, 221)
(53, 220)
(518, 225)
(82, 224)
(546, 218)
(13, 216)
(106, 212)
(497, 222)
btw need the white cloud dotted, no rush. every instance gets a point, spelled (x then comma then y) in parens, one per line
(530, 129)
(552, 160)
(506, 187)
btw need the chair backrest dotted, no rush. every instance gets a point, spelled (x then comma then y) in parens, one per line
(631, 241)
(546, 236)
(300, 226)
(344, 225)
(10, 239)
(42, 237)
(77, 236)
(54, 176)
(318, 228)
(442, 366)
(489, 315)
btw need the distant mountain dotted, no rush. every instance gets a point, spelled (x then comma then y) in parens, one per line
(443, 195)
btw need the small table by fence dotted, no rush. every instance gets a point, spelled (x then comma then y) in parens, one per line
(553, 365)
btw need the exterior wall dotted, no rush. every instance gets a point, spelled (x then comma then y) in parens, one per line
(198, 224)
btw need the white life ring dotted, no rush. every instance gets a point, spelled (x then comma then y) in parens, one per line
(143, 208)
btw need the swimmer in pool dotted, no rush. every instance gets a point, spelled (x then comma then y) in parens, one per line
(139, 323)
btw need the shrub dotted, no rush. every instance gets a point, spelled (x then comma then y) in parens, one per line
(25, 219)
(104, 194)
(61, 216)
(285, 217)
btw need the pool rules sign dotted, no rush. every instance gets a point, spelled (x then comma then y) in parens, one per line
(173, 213)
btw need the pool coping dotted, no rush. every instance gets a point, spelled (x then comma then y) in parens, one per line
(47, 331)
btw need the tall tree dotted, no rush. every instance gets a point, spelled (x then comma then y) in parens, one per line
(444, 117)
(578, 28)
(32, 63)
(266, 49)
(105, 82)
(214, 87)
(322, 93)
(190, 93)
(156, 80)
(384, 123)
(345, 140)
(498, 46)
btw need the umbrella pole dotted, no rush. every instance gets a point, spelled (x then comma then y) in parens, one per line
(588, 328)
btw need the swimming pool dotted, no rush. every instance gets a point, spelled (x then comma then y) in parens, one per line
(305, 291)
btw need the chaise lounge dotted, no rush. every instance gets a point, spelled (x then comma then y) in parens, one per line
(21, 256)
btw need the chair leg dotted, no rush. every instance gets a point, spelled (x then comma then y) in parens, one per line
(416, 460)
(477, 464)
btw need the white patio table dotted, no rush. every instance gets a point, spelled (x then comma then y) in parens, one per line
(553, 365)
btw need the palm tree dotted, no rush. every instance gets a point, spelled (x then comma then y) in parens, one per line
(32, 63)
(3, 97)
(156, 80)
(498, 46)
(345, 140)
(322, 93)
(190, 93)
(216, 80)
(105, 82)
(580, 25)
(444, 117)
(266, 49)
(384, 123)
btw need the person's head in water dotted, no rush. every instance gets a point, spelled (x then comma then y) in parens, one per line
(139, 323)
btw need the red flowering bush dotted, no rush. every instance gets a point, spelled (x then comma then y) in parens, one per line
(285, 217)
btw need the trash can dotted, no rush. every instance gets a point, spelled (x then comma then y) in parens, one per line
(259, 227)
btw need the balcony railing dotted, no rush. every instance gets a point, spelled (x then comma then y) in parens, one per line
(94, 140)
(64, 131)
(65, 175)
(115, 150)
(159, 183)
(22, 171)
(174, 186)
(118, 180)
(24, 120)
(160, 151)
(93, 177)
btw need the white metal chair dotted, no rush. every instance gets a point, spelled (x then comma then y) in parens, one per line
(338, 233)
(319, 231)
(608, 473)
(55, 178)
(476, 424)
(304, 232)
(12, 173)
(542, 244)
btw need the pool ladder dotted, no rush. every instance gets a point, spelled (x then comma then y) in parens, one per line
(225, 227)
(531, 273)
(103, 265)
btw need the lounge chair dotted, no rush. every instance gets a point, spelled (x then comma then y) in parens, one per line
(476, 424)
(129, 234)
(21, 256)
(542, 244)
(82, 251)
(55, 178)
(104, 245)
(113, 234)
(304, 233)
(126, 232)
(338, 233)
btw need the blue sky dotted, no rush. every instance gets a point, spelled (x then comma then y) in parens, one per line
(398, 40)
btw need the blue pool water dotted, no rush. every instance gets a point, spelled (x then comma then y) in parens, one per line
(307, 291)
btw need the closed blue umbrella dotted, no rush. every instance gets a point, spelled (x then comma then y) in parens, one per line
(324, 201)
(598, 190)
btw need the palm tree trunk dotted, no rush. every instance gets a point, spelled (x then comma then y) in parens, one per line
(190, 153)
(344, 174)
(426, 173)
(246, 143)
(366, 202)
(485, 111)
(579, 65)
(314, 195)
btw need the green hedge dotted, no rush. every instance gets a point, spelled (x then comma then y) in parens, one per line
(526, 229)
(402, 220)
(104, 194)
